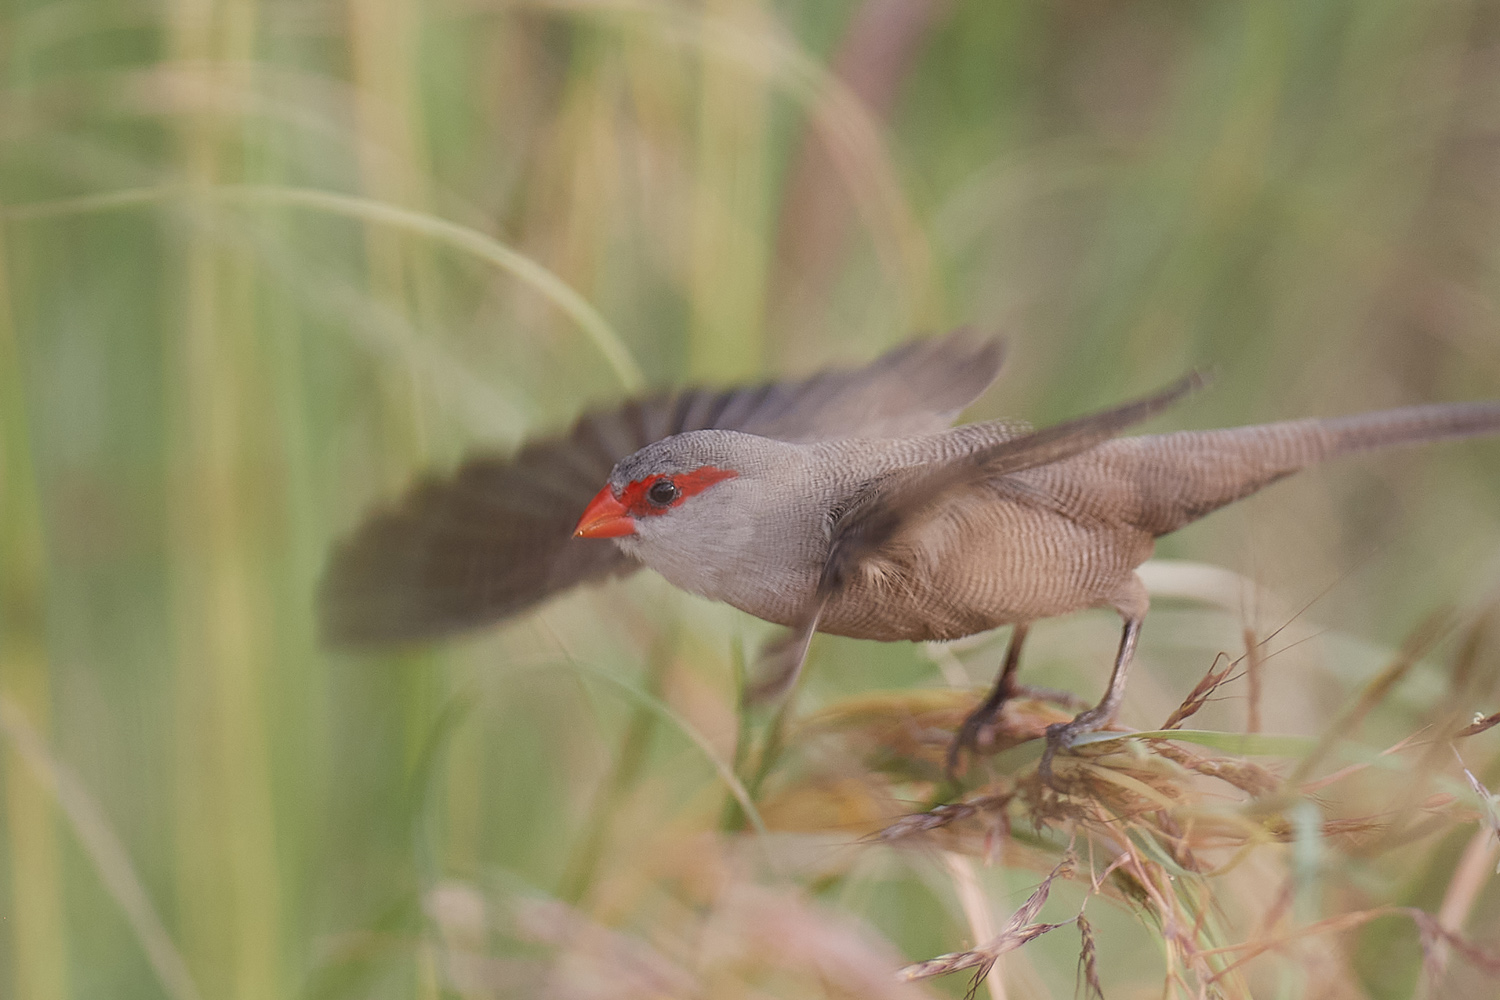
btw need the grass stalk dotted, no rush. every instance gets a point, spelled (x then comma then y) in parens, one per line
(226, 819)
(730, 235)
(36, 905)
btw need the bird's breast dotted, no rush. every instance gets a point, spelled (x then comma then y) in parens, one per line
(764, 570)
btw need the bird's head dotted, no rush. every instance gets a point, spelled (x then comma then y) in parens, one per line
(670, 485)
(627, 508)
(703, 504)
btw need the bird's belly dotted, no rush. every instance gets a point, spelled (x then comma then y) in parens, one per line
(926, 616)
(1031, 565)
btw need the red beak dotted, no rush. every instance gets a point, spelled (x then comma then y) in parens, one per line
(604, 517)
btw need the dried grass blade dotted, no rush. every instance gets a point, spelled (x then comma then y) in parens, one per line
(1018, 930)
(1478, 726)
(1487, 800)
(941, 816)
(1254, 670)
(1198, 697)
(1088, 961)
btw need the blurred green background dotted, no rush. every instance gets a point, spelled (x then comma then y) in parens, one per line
(265, 261)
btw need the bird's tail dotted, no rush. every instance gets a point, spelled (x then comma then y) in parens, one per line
(1178, 478)
(1411, 425)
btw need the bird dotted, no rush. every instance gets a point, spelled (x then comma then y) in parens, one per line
(843, 503)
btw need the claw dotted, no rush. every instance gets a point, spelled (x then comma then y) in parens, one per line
(1059, 737)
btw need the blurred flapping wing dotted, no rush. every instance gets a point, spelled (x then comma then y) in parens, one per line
(917, 388)
(495, 537)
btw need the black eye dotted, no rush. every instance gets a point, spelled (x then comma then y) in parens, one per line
(662, 492)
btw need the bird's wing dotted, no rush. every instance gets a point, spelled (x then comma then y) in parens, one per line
(918, 388)
(495, 537)
(873, 525)
(897, 500)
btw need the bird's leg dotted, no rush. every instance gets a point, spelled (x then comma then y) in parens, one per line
(1061, 735)
(967, 736)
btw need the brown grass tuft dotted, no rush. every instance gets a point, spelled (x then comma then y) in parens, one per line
(1169, 826)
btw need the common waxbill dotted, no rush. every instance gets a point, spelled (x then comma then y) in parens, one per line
(843, 503)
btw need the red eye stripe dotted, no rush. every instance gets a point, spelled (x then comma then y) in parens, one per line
(633, 496)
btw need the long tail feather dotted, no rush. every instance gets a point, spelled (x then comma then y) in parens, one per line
(1413, 425)
(1165, 481)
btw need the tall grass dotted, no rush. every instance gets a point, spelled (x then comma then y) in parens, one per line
(261, 263)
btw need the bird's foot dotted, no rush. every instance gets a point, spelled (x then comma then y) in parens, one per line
(1062, 735)
(977, 733)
